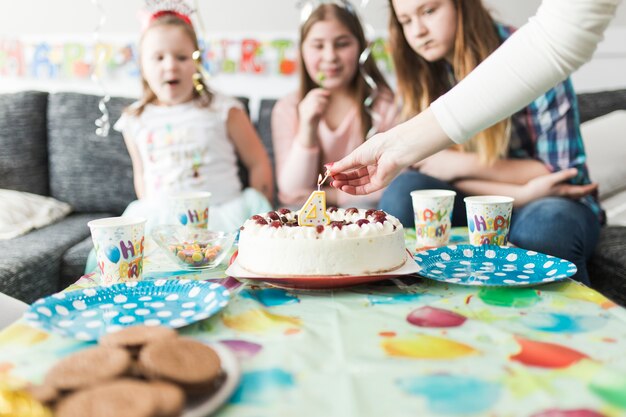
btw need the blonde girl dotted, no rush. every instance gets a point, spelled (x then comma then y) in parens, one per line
(436, 44)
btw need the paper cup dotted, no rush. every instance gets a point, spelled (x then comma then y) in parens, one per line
(118, 242)
(191, 209)
(488, 219)
(432, 211)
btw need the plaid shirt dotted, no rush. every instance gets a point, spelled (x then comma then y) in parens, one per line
(548, 130)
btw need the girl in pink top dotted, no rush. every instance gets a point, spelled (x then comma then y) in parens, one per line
(327, 118)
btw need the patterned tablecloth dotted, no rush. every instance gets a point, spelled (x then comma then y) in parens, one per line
(402, 347)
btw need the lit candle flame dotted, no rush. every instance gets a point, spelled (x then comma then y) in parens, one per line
(321, 181)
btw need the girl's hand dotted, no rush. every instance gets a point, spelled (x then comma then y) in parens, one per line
(554, 184)
(312, 107)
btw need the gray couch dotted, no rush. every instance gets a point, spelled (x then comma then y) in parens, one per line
(48, 146)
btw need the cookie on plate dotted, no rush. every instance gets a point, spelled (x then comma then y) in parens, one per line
(118, 398)
(191, 364)
(88, 367)
(134, 338)
(170, 398)
(44, 393)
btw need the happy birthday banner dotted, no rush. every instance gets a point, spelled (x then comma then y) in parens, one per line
(69, 59)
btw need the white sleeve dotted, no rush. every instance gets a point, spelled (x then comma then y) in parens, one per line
(561, 37)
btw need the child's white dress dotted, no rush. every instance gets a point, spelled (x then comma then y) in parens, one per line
(186, 148)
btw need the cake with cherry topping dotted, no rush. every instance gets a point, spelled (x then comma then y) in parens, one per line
(356, 242)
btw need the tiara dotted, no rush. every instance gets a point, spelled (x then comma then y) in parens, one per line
(308, 6)
(178, 8)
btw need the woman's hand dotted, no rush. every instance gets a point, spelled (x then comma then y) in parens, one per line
(376, 162)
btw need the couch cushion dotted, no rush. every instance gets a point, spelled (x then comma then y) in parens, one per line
(74, 261)
(615, 207)
(598, 103)
(264, 128)
(604, 139)
(23, 153)
(91, 173)
(30, 264)
(607, 269)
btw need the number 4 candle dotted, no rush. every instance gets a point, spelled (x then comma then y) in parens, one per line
(313, 212)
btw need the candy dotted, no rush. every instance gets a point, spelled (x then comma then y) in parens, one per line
(196, 253)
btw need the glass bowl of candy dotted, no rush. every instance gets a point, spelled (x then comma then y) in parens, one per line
(193, 248)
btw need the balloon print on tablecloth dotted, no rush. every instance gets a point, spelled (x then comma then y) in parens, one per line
(270, 297)
(265, 386)
(555, 412)
(399, 298)
(546, 355)
(435, 317)
(581, 292)
(423, 346)
(563, 323)
(259, 321)
(451, 394)
(610, 385)
(509, 297)
(242, 348)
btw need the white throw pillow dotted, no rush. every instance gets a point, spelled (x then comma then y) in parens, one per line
(21, 212)
(605, 144)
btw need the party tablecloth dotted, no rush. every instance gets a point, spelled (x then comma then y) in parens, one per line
(401, 347)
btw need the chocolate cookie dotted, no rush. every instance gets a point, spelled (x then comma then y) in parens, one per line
(170, 398)
(183, 361)
(135, 337)
(88, 367)
(119, 398)
(44, 393)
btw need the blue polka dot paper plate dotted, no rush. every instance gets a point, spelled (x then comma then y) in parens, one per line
(491, 265)
(92, 312)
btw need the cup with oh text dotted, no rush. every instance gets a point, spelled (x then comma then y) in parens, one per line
(119, 243)
(191, 208)
(432, 211)
(488, 219)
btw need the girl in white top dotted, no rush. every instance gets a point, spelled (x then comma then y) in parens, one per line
(183, 137)
(560, 38)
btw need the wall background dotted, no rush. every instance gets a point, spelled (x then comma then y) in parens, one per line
(62, 20)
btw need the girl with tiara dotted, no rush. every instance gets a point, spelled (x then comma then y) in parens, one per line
(333, 110)
(182, 136)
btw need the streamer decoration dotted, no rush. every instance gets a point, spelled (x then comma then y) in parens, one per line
(103, 123)
(368, 102)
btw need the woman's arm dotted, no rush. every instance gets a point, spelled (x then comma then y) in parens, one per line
(135, 158)
(559, 39)
(556, 41)
(251, 151)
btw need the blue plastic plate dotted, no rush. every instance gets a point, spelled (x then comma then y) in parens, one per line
(491, 265)
(90, 313)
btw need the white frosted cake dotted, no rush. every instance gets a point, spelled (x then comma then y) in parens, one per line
(356, 242)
